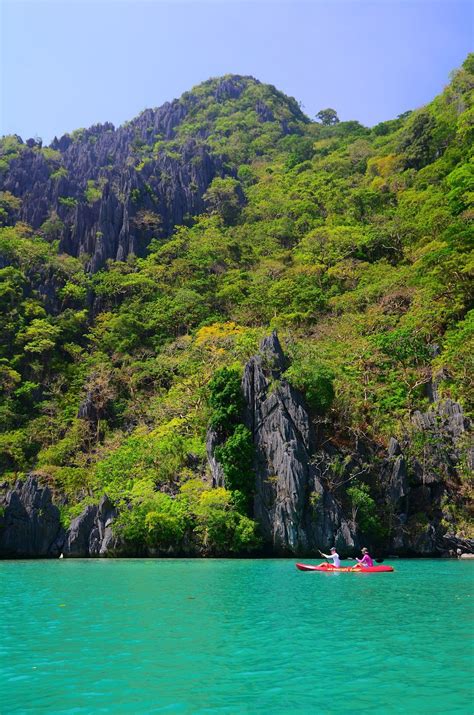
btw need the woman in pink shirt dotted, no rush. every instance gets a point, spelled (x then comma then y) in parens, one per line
(366, 561)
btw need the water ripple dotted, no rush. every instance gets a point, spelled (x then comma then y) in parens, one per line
(232, 636)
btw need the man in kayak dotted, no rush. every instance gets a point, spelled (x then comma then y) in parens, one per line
(366, 561)
(336, 562)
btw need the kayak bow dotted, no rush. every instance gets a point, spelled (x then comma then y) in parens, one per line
(344, 569)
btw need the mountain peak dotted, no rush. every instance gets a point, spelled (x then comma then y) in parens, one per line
(100, 181)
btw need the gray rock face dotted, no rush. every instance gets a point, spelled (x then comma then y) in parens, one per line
(301, 500)
(453, 420)
(212, 441)
(420, 541)
(134, 200)
(108, 543)
(457, 544)
(441, 430)
(79, 533)
(132, 206)
(394, 474)
(417, 486)
(295, 512)
(394, 448)
(30, 525)
(91, 534)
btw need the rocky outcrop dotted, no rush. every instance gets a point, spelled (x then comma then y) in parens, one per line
(127, 206)
(396, 472)
(301, 479)
(217, 473)
(30, 525)
(109, 190)
(295, 511)
(301, 500)
(420, 478)
(91, 534)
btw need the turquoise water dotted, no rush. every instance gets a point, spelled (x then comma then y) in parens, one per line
(234, 636)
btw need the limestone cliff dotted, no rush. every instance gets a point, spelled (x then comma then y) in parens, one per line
(105, 192)
(301, 480)
(296, 513)
(30, 525)
(301, 500)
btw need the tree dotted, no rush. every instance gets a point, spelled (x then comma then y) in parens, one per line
(364, 510)
(461, 185)
(316, 381)
(236, 457)
(328, 117)
(417, 141)
(9, 205)
(299, 149)
(225, 399)
(39, 337)
(224, 197)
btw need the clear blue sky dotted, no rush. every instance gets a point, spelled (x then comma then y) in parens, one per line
(67, 63)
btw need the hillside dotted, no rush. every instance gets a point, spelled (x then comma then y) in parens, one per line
(105, 192)
(141, 269)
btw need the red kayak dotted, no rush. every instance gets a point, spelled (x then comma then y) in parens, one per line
(344, 569)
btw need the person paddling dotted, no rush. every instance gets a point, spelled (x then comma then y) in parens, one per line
(366, 561)
(336, 561)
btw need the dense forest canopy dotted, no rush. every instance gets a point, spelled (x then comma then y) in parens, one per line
(238, 215)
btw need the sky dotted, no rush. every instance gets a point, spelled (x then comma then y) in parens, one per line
(66, 64)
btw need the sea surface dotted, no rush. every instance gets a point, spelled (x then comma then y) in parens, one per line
(234, 636)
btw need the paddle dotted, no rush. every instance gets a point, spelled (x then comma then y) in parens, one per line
(324, 557)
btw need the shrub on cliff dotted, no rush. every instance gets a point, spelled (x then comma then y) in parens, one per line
(364, 510)
(316, 381)
(207, 517)
(220, 527)
(152, 518)
(225, 399)
(236, 451)
(236, 458)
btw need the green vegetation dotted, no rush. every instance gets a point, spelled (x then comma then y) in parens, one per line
(355, 243)
(68, 201)
(236, 452)
(315, 380)
(197, 514)
(225, 399)
(222, 197)
(93, 191)
(10, 148)
(60, 173)
(8, 205)
(364, 510)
